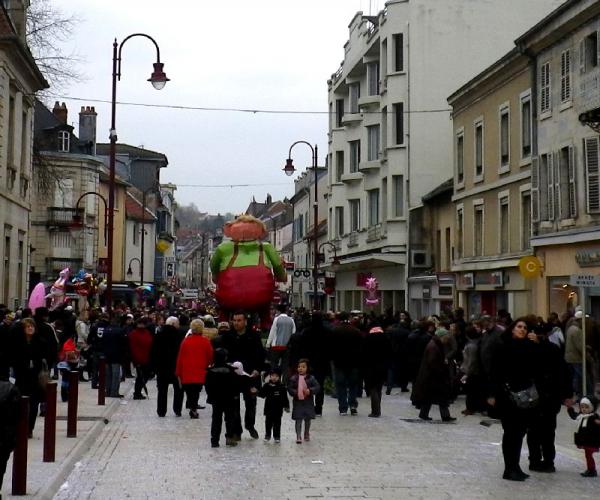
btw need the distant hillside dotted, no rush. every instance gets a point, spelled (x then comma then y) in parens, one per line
(192, 221)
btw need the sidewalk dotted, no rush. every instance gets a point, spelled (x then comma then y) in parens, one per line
(44, 479)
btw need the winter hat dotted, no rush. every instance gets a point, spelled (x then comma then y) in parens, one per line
(223, 325)
(590, 401)
(441, 332)
(172, 320)
(239, 368)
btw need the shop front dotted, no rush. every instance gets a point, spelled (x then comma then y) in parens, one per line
(554, 291)
(489, 291)
(431, 294)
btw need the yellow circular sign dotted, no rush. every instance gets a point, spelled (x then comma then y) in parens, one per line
(530, 266)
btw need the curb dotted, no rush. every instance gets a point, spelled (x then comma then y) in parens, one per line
(51, 487)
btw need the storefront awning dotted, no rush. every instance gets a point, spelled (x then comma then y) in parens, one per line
(370, 261)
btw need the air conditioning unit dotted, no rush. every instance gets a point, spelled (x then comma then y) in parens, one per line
(419, 258)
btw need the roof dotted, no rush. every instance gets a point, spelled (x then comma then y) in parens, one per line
(135, 210)
(445, 188)
(103, 149)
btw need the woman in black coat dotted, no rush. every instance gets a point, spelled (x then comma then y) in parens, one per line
(514, 368)
(28, 360)
(432, 386)
(377, 355)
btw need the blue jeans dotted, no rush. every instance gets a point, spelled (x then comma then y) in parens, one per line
(113, 379)
(347, 382)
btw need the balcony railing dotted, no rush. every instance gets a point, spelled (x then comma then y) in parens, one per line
(56, 264)
(374, 233)
(61, 216)
(353, 239)
(337, 244)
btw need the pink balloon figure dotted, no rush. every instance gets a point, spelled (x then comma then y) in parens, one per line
(372, 298)
(57, 292)
(37, 297)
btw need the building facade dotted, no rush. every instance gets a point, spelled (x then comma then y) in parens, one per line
(390, 138)
(20, 79)
(565, 52)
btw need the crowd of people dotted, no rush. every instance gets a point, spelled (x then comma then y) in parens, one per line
(519, 371)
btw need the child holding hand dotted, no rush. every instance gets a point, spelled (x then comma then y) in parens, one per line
(302, 387)
(587, 435)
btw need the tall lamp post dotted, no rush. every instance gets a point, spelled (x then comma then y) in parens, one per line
(130, 271)
(289, 170)
(78, 219)
(158, 79)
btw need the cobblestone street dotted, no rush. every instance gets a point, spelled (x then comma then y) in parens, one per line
(139, 455)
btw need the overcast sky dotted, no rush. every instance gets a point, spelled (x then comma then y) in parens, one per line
(261, 54)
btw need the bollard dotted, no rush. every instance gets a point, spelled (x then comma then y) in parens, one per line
(50, 423)
(72, 404)
(101, 380)
(19, 474)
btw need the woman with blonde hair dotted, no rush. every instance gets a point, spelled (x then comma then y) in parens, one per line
(195, 356)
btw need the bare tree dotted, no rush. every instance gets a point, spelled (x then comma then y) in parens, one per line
(48, 28)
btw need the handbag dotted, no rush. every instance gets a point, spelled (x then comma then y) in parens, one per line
(44, 376)
(525, 399)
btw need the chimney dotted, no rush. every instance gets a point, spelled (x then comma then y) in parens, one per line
(87, 128)
(269, 199)
(60, 112)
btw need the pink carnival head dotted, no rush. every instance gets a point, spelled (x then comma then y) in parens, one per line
(65, 273)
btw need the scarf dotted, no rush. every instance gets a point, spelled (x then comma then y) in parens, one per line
(301, 386)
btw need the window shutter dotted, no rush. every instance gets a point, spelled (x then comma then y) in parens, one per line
(572, 184)
(592, 174)
(582, 56)
(553, 187)
(535, 192)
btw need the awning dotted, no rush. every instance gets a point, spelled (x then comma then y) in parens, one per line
(370, 261)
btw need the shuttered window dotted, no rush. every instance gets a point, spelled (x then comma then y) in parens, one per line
(566, 192)
(459, 233)
(565, 76)
(504, 137)
(545, 103)
(478, 230)
(592, 174)
(535, 190)
(504, 225)
(525, 220)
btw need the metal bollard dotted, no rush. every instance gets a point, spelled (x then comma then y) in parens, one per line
(50, 423)
(101, 381)
(72, 404)
(19, 474)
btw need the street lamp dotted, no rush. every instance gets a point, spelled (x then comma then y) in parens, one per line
(77, 223)
(158, 79)
(130, 272)
(289, 170)
(336, 261)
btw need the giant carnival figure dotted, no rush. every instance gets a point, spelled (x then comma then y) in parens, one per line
(245, 269)
(57, 292)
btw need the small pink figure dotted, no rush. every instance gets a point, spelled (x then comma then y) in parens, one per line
(57, 292)
(372, 298)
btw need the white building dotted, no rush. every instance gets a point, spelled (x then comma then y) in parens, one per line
(390, 139)
(139, 218)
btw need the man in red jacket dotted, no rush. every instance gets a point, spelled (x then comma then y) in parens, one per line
(140, 346)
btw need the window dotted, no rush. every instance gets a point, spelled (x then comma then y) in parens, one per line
(459, 232)
(11, 133)
(398, 186)
(24, 187)
(588, 52)
(545, 102)
(339, 222)
(354, 215)
(478, 230)
(373, 207)
(64, 139)
(399, 123)
(339, 165)
(384, 129)
(504, 245)
(300, 227)
(11, 178)
(565, 76)
(448, 252)
(7, 234)
(63, 193)
(478, 150)
(373, 78)
(384, 199)
(339, 112)
(384, 54)
(526, 126)
(592, 174)
(460, 157)
(373, 144)
(525, 220)
(354, 96)
(504, 137)
(398, 40)
(136, 233)
(354, 155)
(24, 141)
(20, 265)
(545, 184)
(565, 184)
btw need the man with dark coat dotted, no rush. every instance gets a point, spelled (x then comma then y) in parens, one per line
(398, 371)
(553, 383)
(377, 354)
(346, 354)
(164, 359)
(415, 345)
(47, 333)
(244, 345)
(112, 345)
(9, 417)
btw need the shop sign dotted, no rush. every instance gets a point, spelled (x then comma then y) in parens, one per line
(585, 280)
(426, 292)
(468, 280)
(495, 278)
(588, 258)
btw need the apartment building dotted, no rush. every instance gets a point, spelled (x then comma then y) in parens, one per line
(565, 182)
(493, 134)
(20, 78)
(390, 136)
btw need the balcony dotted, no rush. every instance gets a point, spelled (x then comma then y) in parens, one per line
(56, 264)
(375, 233)
(351, 177)
(352, 118)
(353, 239)
(369, 165)
(61, 216)
(369, 100)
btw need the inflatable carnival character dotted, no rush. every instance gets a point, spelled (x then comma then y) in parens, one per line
(245, 269)
(57, 292)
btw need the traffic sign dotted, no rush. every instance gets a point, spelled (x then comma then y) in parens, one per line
(585, 280)
(302, 274)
